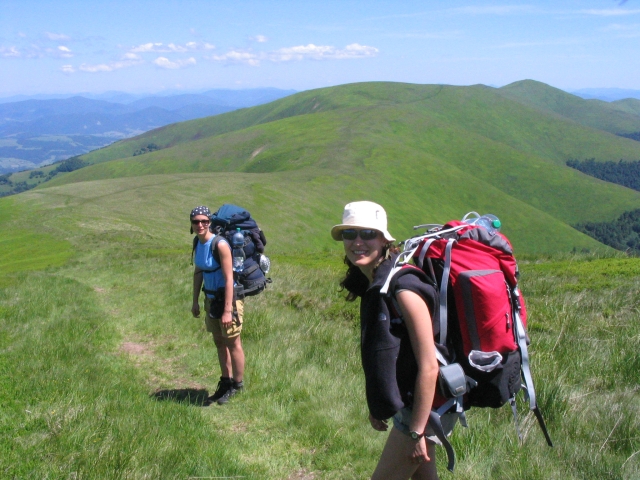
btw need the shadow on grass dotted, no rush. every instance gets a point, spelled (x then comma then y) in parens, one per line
(192, 396)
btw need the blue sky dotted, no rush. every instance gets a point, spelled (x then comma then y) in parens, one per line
(153, 46)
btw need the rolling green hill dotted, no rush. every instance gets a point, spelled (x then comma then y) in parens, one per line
(614, 117)
(630, 105)
(427, 152)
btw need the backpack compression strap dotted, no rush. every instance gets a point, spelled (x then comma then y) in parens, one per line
(526, 371)
(443, 291)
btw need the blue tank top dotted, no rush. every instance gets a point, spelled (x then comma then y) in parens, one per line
(204, 260)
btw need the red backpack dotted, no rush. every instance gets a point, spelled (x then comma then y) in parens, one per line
(482, 314)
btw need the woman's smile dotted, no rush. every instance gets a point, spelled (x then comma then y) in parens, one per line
(364, 254)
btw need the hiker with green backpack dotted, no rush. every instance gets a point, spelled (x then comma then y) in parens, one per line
(397, 346)
(223, 310)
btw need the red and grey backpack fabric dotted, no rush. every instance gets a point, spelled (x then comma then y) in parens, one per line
(482, 314)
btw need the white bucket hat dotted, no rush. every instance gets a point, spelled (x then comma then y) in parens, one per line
(362, 215)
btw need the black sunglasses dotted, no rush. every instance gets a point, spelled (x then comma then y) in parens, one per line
(203, 222)
(365, 234)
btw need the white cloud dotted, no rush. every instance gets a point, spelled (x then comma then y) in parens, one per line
(260, 39)
(10, 52)
(128, 60)
(64, 52)
(355, 50)
(198, 46)
(323, 52)
(171, 47)
(131, 56)
(159, 47)
(297, 53)
(68, 69)
(146, 47)
(237, 57)
(164, 62)
(103, 67)
(35, 51)
(611, 12)
(57, 36)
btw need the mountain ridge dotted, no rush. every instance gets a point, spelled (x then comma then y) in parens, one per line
(396, 137)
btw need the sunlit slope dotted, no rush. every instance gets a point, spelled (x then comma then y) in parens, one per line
(303, 103)
(630, 105)
(149, 214)
(24, 246)
(610, 117)
(482, 110)
(469, 139)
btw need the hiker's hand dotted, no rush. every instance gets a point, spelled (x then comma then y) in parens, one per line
(227, 319)
(195, 309)
(419, 453)
(380, 425)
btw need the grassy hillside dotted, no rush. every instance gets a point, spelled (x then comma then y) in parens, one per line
(103, 370)
(630, 105)
(464, 148)
(481, 110)
(610, 117)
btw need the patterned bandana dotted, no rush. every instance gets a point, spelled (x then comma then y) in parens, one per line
(201, 210)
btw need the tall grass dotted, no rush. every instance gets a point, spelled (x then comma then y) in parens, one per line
(104, 372)
(87, 354)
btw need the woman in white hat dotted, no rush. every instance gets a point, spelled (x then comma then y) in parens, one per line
(397, 347)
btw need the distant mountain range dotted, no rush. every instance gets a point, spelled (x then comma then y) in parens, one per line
(606, 94)
(38, 131)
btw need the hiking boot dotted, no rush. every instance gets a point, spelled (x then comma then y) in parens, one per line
(233, 389)
(223, 386)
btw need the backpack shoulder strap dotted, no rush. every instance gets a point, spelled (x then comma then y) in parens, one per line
(193, 249)
(214, 250)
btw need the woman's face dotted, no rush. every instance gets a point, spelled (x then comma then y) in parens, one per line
(363, 253)
(200, 224)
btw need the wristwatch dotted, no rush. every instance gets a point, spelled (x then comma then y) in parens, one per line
(415, 435)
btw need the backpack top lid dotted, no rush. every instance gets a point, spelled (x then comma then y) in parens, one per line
(229, 214)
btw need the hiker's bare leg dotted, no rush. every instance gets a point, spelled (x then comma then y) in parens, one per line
(236, 355)
(427, 471)
(223, 355)
(395, 464)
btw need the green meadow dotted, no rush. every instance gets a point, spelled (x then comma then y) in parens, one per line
(104, 371)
